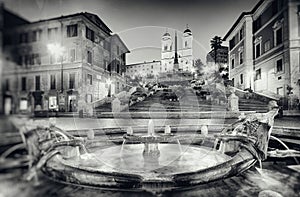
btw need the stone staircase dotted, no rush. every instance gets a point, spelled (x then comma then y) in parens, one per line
(188, 102)
(252, 105)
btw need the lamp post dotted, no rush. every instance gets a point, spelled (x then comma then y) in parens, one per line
(57, 51)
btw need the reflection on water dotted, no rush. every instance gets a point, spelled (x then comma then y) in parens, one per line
(172, 159)
(274, 177)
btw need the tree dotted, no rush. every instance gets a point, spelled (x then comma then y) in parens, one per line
(215, 44)
(198, 64)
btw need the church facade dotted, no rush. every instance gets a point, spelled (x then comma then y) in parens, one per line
(173, 58)
(169, 51)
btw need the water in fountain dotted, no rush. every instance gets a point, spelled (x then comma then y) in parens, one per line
(180, 148)
(150, 128)
(122, 147)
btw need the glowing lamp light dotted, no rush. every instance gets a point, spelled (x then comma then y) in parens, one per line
(56, 49)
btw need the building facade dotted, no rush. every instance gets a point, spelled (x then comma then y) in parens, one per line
(64, 63)
(150, 69)
(264, 48)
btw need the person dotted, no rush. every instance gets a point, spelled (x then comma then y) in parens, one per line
(71, 106)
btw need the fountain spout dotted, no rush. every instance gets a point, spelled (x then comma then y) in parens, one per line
(150, 128)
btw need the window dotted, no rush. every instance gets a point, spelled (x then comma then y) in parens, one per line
(242, 33)
(232, 80)
(267, 45)
(23, 38)
(89, 79)
(118, 50)
(166, 48)
(241, 78)
(8, 40)
(185, 44)
(31, 59)
(89, 57)
(118, 86)
(241, 57)
(279, 65)
(72, 30)
(20, 60)
(36, 35)
(258, 74)
(278, 36)
(123, 57)
(72, 81)
(89, 34)
(72, 55)
(52, 82)
(257, 50)
(118, 68)
(37, 59)
(24, 84)
(231, 43)
(52, 33)
(37, 83)
(280, 91)
(232, 63)
(106, 45)
(109, 68)
(26, 60)
(105, 64)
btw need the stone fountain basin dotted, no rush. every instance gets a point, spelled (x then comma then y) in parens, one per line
(125, 167)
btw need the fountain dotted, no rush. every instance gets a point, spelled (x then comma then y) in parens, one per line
(156, 162)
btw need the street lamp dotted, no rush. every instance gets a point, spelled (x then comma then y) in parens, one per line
(57, 51)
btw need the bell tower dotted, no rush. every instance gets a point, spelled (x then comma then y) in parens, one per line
(166, 51)
(187, 48)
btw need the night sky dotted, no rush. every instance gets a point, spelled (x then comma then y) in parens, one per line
(141, 23)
